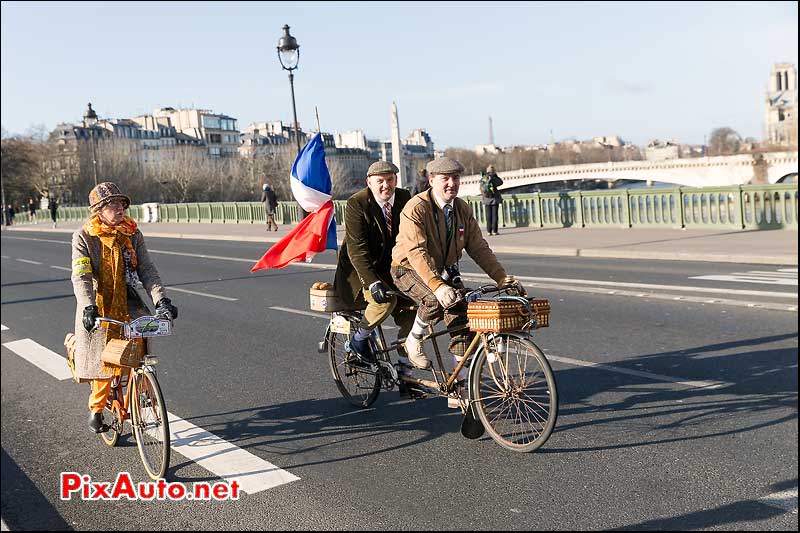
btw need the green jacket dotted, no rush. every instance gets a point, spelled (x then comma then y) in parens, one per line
(366, 254)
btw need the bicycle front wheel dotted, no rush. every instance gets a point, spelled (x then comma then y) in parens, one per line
(514, 393)
(112, 417)
(359, 385)
(150, 424)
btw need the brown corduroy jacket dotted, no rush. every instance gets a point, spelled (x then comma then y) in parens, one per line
(422, 240)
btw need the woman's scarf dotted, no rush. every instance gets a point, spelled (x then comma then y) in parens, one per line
(118, 256)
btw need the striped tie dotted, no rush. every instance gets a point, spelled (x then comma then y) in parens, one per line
(387, 212)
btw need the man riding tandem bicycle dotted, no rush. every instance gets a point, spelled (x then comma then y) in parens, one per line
(501, 380)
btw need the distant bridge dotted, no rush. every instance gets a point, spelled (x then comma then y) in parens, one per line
(695, 172)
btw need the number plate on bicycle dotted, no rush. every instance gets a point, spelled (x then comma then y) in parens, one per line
(340, 324)
(150, 326)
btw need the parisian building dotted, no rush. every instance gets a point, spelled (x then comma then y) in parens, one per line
(780, 116)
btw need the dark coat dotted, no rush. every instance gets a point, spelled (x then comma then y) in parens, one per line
(270, 201)
(366, 254)
(496, 181)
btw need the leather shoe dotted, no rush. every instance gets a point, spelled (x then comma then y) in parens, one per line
(96, 423)
(416, 353)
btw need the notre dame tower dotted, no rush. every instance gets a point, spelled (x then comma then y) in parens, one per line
(780, 119)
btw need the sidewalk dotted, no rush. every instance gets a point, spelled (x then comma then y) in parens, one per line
(776, 247)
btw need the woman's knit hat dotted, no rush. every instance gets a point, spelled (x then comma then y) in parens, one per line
(103, 194)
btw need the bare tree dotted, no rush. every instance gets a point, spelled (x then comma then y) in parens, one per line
(724, 141)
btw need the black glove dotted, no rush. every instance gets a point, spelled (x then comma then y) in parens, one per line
(90, 314)
(379, 292)
(165, 308)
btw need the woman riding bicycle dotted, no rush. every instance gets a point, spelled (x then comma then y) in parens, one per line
(109, 258)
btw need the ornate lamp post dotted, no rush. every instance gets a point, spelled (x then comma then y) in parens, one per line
(289, 56)
(90, 120)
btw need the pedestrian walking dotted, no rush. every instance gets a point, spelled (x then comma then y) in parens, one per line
(32, 210)
(270, 205)
(10, 212)
(491, 198)
(53, 206)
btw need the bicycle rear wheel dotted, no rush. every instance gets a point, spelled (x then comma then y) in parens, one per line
(514, 393)
(359, 385)
(150, 424)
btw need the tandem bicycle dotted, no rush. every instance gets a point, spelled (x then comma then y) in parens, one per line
(511, 389)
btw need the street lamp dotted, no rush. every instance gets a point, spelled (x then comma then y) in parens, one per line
(90, 120)
(289, 56)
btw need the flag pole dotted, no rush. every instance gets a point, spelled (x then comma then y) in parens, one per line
(319, 129)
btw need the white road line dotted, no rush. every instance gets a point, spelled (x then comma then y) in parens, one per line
(40, 240)
(749, 278)
(3, 526)
(227, 298)
(570, 361)
(38, 355)
(3, 327)
(481, 277)
(325, 316)
(680, 288)
(29, 261)
(224, 459)
(786, 500)
(61, 268)
(637, 373)
(5, 257)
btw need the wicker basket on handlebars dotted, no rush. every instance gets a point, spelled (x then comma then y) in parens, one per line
(507, 315)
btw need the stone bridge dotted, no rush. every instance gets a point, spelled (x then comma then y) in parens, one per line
(697, 172)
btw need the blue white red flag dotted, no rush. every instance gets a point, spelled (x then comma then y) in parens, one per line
(311, 187)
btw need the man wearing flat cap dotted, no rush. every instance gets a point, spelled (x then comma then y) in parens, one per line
(109, 258)
(372, 219)
(435, 228)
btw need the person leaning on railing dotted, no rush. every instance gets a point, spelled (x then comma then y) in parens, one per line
(435, 228)
(109, 258)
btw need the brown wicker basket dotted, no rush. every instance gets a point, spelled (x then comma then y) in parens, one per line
(120, 352)
(506, 315)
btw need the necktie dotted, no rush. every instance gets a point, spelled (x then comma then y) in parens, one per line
(387, 212)
(448, 218)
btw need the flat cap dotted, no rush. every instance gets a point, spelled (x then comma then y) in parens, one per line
(444, 165)
(382, 167)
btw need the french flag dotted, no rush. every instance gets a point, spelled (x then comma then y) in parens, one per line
(311, 187)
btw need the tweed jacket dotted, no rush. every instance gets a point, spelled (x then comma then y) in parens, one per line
(366, 254)
(88, 347)
(422, 240)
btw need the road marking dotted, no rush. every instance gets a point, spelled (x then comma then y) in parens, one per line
(3, 526)
(326, 316)
(29, 261)
(38, 355)
(482, 278)
(61, 268)
(783, 276)
(224, 459)
(3, 327)
(640, 374)
(198, 293)
(786, 500)
(570, 361)
(33, 239)
(680, 288)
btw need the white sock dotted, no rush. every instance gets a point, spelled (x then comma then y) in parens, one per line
(362, 334)
(419, 329)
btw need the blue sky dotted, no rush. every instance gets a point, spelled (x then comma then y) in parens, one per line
(639, 70)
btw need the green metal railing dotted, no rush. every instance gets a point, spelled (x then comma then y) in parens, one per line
(739, 207)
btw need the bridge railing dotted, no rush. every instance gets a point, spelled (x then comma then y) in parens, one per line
(737, 207)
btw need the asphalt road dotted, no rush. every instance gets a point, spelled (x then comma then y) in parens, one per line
(640, 444)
